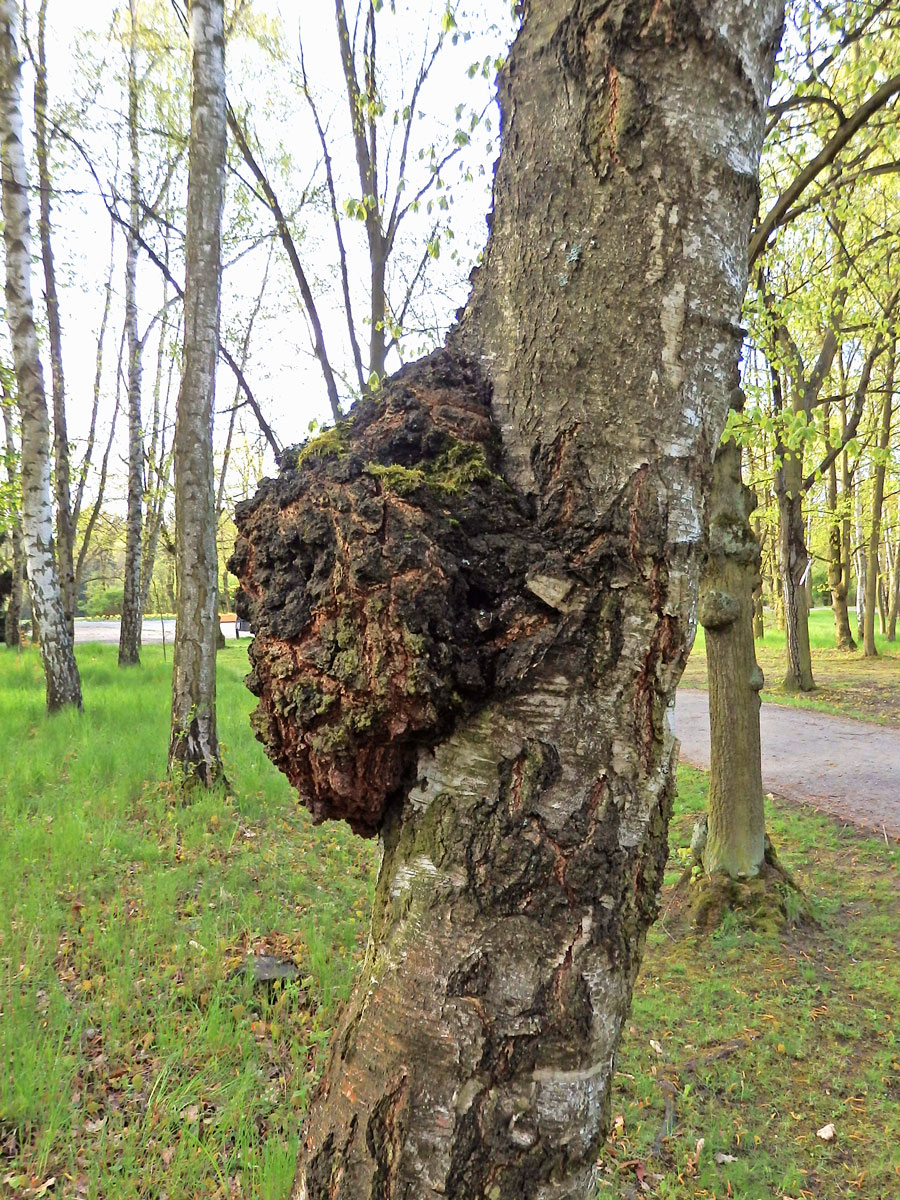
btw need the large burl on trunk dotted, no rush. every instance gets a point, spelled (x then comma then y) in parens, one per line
(473, 601)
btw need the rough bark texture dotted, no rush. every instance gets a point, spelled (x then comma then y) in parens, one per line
(57, 653)
(524, 841)
(194, 747)
(793, 564)
(736, 832)
(132, 608)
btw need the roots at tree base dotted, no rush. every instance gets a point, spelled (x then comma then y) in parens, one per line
(768, 902)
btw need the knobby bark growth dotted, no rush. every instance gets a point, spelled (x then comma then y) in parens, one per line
(194, 747)
(482, 589)
(57, 651)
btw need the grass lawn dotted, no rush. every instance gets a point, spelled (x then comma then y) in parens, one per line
(848, 683)
(134, 1063)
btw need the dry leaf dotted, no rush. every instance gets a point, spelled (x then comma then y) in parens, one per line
(654, 1045)
(826, 1133)
(724, 1158)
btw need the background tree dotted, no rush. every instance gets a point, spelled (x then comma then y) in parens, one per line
(194, 747)
(60, 669)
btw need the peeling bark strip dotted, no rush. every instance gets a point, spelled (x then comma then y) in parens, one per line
(525, 803)
(57, 653)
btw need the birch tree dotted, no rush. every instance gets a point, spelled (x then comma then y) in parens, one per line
(473, 602)
(194, 748)
(57, 651)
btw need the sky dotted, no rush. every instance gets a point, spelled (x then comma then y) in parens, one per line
(286, 381)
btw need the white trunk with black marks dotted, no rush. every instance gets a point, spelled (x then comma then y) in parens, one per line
(65, 526)
(57, 652)
(132, 607)
(520, 872)
(14, 607)
(194, 748)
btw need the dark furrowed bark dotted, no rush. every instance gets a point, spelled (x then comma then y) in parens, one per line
(524, 843)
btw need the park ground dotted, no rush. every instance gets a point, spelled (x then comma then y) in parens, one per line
(136, 1060)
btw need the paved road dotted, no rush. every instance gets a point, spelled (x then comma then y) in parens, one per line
(848, 768)
(152, 631)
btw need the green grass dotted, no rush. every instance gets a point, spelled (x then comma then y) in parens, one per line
(846, 683)
(132, 1063)
(760, 1042)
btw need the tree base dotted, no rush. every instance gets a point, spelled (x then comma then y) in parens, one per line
(767, 903)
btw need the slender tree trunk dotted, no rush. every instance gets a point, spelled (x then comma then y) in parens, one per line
(872, 573)
(736, 832)
(194, 747)
(65, 528)
(838, 582)
(57, 651)
(793, 565)
(525, 835)
(882, 601)
(11, 633)
(132, 611)
(860, 565)
(759, 599)
(894, 610)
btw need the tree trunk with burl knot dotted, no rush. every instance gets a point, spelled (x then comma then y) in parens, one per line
(474, 598)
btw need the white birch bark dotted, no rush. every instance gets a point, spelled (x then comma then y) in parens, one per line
(194, 750)
(57, 652)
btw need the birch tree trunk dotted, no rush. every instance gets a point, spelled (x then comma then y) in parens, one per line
(872, 568)
(57, 652)
(65, 528)
(132, 609)
(838, 581)
(526, 621)
(14, 607)
(194, 748)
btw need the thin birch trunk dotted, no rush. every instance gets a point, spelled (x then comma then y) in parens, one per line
(57, 650)
(65, 524)
(194, 748)
(872, 570)
(11, 633)
(130, 628)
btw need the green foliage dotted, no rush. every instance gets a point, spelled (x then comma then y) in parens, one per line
(106, 602)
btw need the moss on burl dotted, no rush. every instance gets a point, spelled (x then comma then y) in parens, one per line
(384, 573)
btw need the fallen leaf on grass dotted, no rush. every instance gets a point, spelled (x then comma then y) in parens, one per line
(721, 1158)
(827, 1132)
(654, 1045)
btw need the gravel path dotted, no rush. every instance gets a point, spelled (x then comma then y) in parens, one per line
(850, 769)
(151, 631)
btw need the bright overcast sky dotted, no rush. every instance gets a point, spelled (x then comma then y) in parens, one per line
(285, 380)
